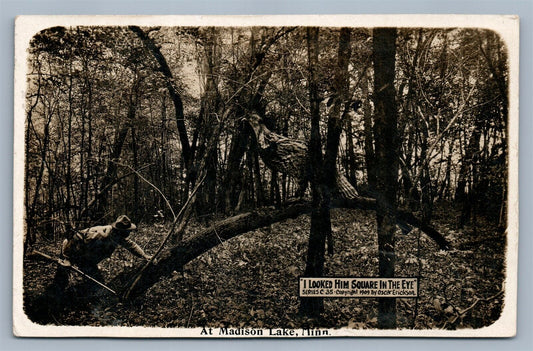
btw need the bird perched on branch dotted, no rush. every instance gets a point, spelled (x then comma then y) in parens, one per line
(289, 156)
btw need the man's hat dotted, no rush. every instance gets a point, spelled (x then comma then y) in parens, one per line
(123, 223)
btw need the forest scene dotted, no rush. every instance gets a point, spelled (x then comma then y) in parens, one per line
(235, 160)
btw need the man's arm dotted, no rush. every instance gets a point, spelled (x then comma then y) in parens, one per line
(132, 247)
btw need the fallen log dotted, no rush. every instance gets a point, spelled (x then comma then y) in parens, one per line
(176, 257)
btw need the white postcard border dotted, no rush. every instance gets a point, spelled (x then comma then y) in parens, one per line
(506, 26)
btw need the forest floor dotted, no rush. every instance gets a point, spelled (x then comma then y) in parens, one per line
(252, 280)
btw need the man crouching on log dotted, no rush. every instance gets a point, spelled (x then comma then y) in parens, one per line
(88, 247)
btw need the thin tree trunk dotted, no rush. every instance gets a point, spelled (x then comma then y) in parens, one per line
(88, 174)
(259, 192)
(462, 196)
(136, 195)
(385, 132)
(350, 150)
(68, 180)
(111, 171)
(275, 193)
(38, 183)
(425, 179)
(370, 158)
(30, 233)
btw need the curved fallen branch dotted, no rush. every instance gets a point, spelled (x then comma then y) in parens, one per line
(176, 257)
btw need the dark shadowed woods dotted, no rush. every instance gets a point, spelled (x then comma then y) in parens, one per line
(266, 154)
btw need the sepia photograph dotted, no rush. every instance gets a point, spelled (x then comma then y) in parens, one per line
(266, 176)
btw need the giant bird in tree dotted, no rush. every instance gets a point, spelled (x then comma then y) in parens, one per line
(289, 156)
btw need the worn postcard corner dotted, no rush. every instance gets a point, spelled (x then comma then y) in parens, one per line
(266, 176)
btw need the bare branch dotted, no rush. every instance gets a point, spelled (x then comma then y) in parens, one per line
(170, 232)
(149, 183)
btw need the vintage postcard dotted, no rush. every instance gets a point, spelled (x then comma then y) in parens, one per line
(266, 176)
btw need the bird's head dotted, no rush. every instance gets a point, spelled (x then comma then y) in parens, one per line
(253, 119)
(255, 122)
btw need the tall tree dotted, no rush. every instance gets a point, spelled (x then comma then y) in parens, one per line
(320, 216)
(335, 120)
(386, 144)
(324, 169)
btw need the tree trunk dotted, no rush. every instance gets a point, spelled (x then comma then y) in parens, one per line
(112, 167)
(39, 180)
(425, 178)
(341, 84)
(233, 173)
(370, 158)
(259, 191)
(174, 94)
(136, 192)
(385, 133)
(462, 194)
(320, 216)
(350, 150)
(275, 193)
(30, 237)
(210, 108)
